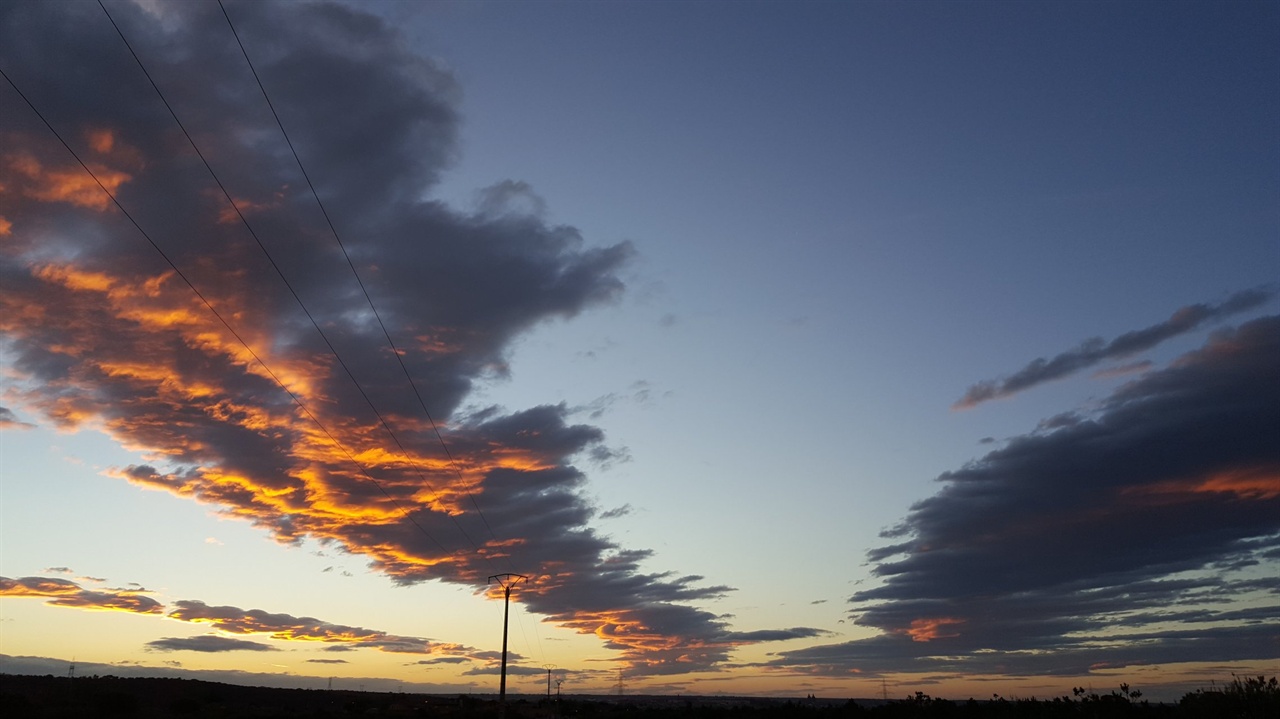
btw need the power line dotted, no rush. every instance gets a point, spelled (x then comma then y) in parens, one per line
(279, 272)
(395, 351)
(301, 405)
(332, 229)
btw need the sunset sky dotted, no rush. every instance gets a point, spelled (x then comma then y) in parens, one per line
(787, 348)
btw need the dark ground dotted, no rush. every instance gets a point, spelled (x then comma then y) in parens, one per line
(58, 697)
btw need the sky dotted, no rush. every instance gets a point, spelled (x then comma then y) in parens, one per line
(824, 348)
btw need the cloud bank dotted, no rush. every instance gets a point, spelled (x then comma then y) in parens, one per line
(1095, 351)
(101, 333)
(1148, 533)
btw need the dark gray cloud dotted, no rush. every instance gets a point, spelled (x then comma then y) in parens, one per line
(616, 512)
(101, 331)
(208, 643)
(778, 635)
(1125, 538)
(1094, 351)
(444, 660)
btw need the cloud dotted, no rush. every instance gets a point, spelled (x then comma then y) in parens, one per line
(444, 660)
(1133, 536)
(616, 512)
(103, 333)
(1096, 350)
(9, 420)
(778, 635)
(207, 643)
(327, 661)
(233, 620)
(66, 593)
(290, 628)
(512, 669)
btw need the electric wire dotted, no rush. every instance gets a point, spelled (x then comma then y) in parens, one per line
(395, 350)
(332, 349)
(341, 245)
(209, 305)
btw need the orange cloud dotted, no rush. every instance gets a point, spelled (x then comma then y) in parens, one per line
(1253, 484)
(109, 341)
(71, 185)
(159, 373)
(228, 215)
(37, 587)
(101, 140)
(66, 593)
(924, 630)
(233, 620)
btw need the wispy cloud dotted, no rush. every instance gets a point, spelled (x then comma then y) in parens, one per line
(1119, 539)
(104, 334)
(1094, 351)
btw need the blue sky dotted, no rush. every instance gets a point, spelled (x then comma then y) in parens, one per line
(806, 231)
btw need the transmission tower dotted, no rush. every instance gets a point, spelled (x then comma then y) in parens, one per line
(506, 581)
(548, 667)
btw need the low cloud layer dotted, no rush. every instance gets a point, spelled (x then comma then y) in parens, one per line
(101, 333)
(1095, 351)
(1147, 533)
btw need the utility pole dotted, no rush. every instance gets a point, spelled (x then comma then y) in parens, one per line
(506, 581)
(548, 667)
